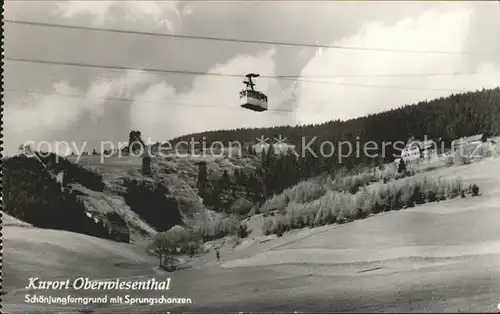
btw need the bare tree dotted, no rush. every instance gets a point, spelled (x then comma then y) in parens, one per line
(160, 246)
(175, 240)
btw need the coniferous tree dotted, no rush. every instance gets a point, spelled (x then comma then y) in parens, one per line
(441, 120)
(226, 181)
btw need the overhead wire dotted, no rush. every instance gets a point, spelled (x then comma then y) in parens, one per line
(112, 67)
(284, 77)
(299, 78)
(169, 103)
(264, 42)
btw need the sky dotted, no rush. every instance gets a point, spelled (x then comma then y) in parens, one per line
(332, 83)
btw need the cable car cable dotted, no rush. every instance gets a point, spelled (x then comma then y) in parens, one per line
(278, 43)
(189, 104)
(188, 72)
(86, 65)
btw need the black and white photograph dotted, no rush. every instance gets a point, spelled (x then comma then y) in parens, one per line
(250, 156)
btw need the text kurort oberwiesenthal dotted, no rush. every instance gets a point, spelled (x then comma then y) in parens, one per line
(84, 283)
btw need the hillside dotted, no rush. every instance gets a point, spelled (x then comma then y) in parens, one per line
(62, 253)
(439, 257)
(116, 201)
(355, 251)
(179, 174)
(112, 192)
(447, 118)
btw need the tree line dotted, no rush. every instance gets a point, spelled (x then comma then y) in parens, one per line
(447, 118)
(442, 120)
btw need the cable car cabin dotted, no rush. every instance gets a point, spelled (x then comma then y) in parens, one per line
(253, 100)
(250, 98)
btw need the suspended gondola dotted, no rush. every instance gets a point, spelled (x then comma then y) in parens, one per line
(250, 98)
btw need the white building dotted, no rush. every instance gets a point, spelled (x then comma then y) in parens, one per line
(416, 150)
(411, 153)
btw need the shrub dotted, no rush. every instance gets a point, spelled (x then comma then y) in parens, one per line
(279, 233)
(303, 192)
(354, 183)
(475, 190)
(277, 202)
(326, 209)
(243, 231)
(267, 227)
(177, 240)
(430, 190)
(454, 187)
(364, 202)
(388, 173)
(418, 196)
(405, 195)
(337, 207)
(219, 228)
(441, 191)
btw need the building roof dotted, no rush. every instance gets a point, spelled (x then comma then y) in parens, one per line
(421, 144)
(474, 138)
(468, 139)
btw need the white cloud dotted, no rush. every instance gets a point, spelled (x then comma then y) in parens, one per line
(430, 31)
(212, 103)
(162, 112)
(162, 13)
(36, 117)
(49, 112)
(171, 113)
